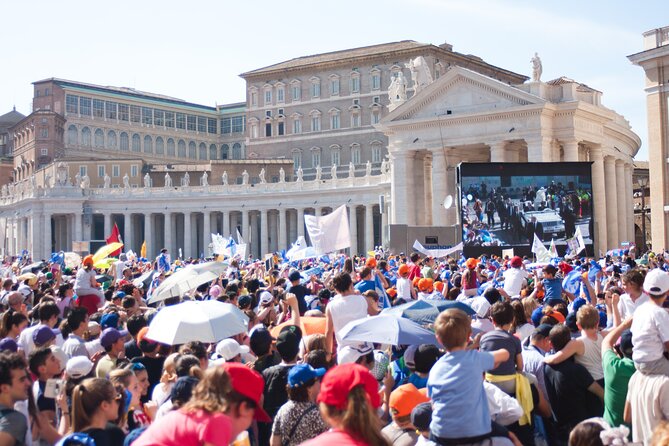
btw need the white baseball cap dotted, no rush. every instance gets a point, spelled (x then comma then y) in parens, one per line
(351, 354)
(656, 282)
(78, 367)
(229, 348)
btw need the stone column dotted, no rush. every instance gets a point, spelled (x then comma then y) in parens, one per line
(46, 233)
(427, 188)
(282, 242)
(401, 187)
(188, 234)
(108, 224)
(78, 228)
(599, 200)
(353, 219)
(167, 236)
(622, 202)
(611, 202)
(225, 215)
(369, 227)
(497, 151)
(252, 239)
(384, 224)
(148, 235)
(245, 227)
(438, 188)
(264, 233)
(570, 148)
(539, 149)
(300, 222)
(206, 231)
(127, 231)
(629, 202)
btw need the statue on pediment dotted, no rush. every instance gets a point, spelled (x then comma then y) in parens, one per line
(397, 91)
(86, 182)
(245, 178)
(262, 176)
(368, 168)
(168, 180)
(185, 181)
(333, 172)
(351, 170)
(300, 174)
(224, 178)
(107, 181)
(319, 172)
(282, 175)
(420, 73)
(61, 174)
(204, 180)
(537, 68)
(126, 181)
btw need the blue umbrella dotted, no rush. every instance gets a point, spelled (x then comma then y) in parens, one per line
(425, 311)
(387, 329)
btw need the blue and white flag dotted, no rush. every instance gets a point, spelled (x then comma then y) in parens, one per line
(384, 302)
(572, 281)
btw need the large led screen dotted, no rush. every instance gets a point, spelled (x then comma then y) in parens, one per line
(502, 205)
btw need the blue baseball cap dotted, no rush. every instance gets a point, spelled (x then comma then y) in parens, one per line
(109, 320)
(303, 373)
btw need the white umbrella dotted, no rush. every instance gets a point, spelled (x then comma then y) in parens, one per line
(204, 321)
(180, 283)
(387, 329)
(215, 267)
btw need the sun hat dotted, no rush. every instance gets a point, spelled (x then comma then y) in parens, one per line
(250, 384)
(340, 380)
(300, 374)
(656, 282)
(403, 400)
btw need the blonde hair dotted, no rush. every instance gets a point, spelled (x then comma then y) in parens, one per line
(212, 393)
(453, 328)
(587, 317)
(358, 419)
(660, 435)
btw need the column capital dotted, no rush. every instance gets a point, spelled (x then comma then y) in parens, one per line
(609, 159)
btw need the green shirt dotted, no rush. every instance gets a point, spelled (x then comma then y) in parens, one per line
(617, 373)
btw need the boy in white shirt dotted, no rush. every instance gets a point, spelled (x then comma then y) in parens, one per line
(650, 327)
(404, 287)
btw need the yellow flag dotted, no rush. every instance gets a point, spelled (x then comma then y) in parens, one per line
(142, 251)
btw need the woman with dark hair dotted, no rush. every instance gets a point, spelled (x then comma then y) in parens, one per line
(95, 407)
(348, 401)
(223, 405)
(299, 420)
(12, 324)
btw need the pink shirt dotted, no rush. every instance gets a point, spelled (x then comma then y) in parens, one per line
(340, 438)
(178, 428)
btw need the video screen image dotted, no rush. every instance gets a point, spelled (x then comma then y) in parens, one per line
(506, 204)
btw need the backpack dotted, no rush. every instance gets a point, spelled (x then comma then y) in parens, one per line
(76, 439)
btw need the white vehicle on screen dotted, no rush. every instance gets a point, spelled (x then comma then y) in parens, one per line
(551, 222)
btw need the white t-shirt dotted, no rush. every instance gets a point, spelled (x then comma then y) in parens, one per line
(513, 280)
(650, 330)
(627, 308)
(83, 279)
(404, 289)
(344, 309)
(649, 397)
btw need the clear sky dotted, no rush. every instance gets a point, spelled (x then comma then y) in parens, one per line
(195, 50)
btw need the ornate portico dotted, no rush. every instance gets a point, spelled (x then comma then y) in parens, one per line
(467, 117)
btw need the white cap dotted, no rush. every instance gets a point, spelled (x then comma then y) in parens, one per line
(265, 298)
(351, 354)
(656, 282)
(60, 355)
(78, 367)
(229, 348)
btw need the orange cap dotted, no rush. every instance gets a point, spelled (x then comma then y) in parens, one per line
(415, 281)
(392, 292)
(404, 399)
(403, 269)
(425, 285)
(471, 263)
(88, 260)
(439, 286)
(371, 262)
(557, 316)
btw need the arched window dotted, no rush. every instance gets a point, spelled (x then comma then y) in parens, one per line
(148, 144)
(124, 141)
(111, 139)
(236, 151)
(192, 150)
(170, 147)
(99, 138)
(213, 152)
(72, 135)
(203, 151)
(160, 146)
(225, 152)
(136, 143)
(182, 148)
(86, 137)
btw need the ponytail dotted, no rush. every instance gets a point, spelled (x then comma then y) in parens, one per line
(87, 398)
(10, 319)
(359, 418)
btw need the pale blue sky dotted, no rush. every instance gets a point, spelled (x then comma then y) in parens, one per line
(195, 50)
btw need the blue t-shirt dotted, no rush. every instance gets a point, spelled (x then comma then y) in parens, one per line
(417, 381)
(552, 289)
(365, 285)
(455, 385)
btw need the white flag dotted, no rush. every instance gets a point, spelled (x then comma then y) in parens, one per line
(579, 238)
(218, 243)
(553, 249)
(538, 248)
(330, 232)
(240, 240)
(300, 251)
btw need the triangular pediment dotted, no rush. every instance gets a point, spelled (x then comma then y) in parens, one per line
(461, 92)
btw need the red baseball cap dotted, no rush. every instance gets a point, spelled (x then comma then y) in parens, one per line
(341, 379)
(249, 383)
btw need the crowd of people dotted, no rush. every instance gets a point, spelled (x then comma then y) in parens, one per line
(572, 352)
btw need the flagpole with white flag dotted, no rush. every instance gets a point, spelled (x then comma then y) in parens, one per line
(329, 233)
